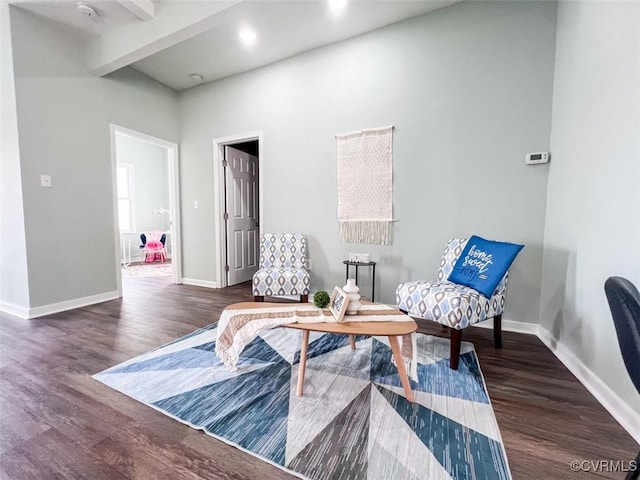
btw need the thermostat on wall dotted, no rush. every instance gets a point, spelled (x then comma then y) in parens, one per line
(536, 158)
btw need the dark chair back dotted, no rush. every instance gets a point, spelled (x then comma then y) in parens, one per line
(624, 302)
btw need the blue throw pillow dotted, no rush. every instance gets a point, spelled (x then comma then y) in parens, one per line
(483, 263)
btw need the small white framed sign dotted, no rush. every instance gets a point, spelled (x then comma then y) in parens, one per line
(338, 303)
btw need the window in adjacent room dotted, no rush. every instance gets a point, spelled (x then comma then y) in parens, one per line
(126, 197)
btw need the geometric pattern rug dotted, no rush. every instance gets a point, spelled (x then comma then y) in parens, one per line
(353, 420)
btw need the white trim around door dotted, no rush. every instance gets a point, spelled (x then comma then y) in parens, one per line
(174, 199)
(218, 197)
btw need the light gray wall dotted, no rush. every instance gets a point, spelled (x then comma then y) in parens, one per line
(593, 200)
(63, 123)
(468, 89)
(14, 282)
(151, 181)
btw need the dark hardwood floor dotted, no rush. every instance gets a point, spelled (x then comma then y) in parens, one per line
(57, 422)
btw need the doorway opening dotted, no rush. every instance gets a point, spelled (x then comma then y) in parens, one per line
(238, 206)
(146, 213)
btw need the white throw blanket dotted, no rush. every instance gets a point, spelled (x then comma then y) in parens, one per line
(365, 195)
(240, 324)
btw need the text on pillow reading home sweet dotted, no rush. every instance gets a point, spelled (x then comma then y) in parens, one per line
(479, 259)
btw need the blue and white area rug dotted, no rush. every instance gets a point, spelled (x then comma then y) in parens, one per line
(353, 421)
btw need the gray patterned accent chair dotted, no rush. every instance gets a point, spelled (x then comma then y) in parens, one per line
(450, 304)
(282, 272)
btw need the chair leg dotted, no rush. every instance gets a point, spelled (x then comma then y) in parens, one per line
(456, 342)
(304, 298)
(497, 331)
(258, 298)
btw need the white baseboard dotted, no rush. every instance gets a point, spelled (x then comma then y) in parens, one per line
(507, 325)
(511, 326)
(200, 283)
(295, 298)
(616, 406)
(71, 304)
(15, 310)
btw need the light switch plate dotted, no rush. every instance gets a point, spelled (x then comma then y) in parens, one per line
(45, 181)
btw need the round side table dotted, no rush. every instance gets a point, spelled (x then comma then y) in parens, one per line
(363, 264)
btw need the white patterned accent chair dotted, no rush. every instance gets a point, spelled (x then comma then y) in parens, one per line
(450, 304)
(282, 272)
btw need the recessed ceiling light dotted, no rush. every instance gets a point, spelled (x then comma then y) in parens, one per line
(336, 7)
(196, 77)
(247, 36)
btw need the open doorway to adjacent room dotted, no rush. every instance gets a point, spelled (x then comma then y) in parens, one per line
(238, 207)
(145, 204)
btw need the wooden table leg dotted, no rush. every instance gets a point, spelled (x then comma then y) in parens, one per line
(397, 354)
(352, 341)
(303, 361)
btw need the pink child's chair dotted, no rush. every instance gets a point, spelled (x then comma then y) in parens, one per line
(154, 247)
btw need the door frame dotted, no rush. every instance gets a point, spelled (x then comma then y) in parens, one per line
(174, 198)
(218, 198)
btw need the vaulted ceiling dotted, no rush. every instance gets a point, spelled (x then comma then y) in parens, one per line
(171, 40)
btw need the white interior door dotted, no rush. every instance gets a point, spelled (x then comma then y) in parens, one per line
(241, 178)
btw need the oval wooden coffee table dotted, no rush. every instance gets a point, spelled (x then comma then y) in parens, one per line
(391, 330)
(373, 319)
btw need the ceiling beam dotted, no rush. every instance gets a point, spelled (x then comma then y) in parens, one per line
(143, 9)
(173, 23)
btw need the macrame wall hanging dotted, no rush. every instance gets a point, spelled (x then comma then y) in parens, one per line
(365, 196)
